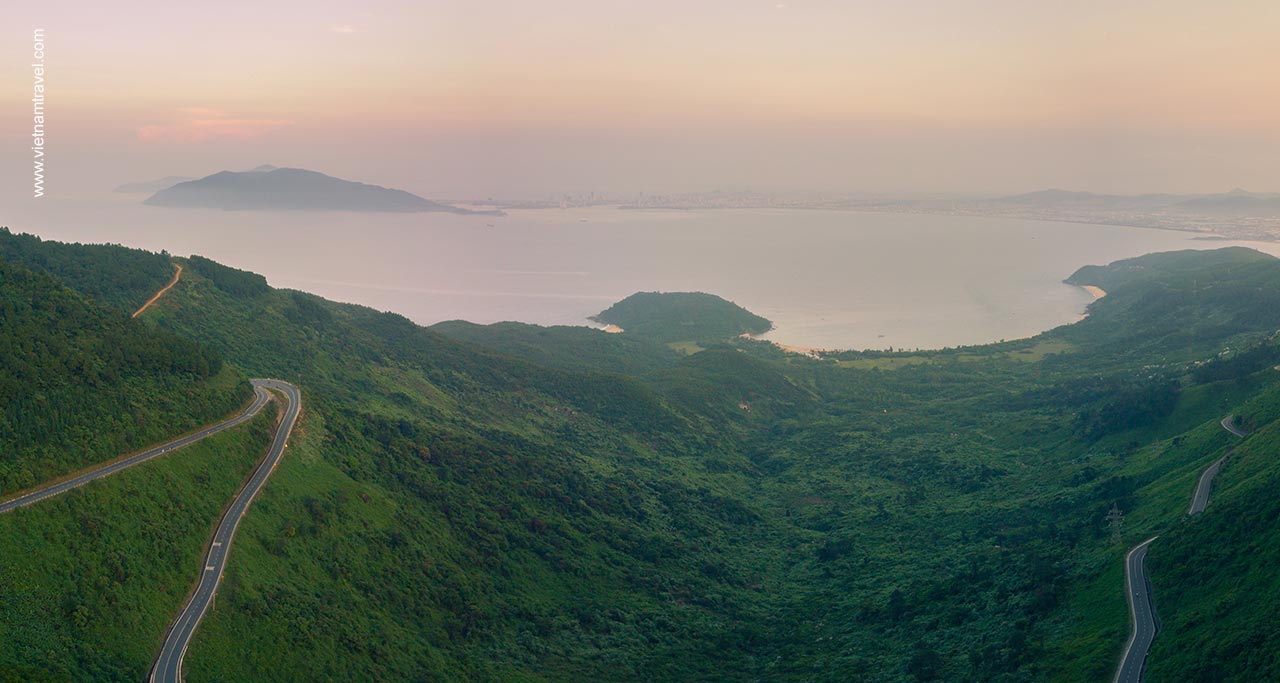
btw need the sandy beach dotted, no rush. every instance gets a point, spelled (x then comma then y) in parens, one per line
(1096, 292)
(790, 348)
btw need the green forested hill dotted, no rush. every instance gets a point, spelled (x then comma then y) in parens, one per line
(502, 504)
(1172, 304)
(117, 276)
(1186, 267)
(81, 382)
(667, 317)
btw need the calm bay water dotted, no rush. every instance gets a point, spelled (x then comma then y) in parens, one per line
(828, 279)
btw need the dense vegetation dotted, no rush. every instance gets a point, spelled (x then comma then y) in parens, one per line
(1185, 265)
(563, 346)
(518, 504)
(118, 276)
(667, 317)
(1214, 575)
(80, 382)
(233, 281)
(90, 579)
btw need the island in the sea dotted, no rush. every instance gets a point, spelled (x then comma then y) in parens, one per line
(668, 317)
(293, 189)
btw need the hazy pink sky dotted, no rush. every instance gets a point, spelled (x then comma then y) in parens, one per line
(465, 99)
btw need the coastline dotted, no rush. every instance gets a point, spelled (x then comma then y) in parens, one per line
(820, 353)
(1096, 292)
(811, 352)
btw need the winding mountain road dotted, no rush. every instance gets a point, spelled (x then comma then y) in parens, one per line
(49, 490)
(168, 664)
(1138, 592)
(1229, 424)
(1137, 584)
(1201, 497)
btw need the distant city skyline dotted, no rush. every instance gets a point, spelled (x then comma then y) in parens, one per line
(509, 99)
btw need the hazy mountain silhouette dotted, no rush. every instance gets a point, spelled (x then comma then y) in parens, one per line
(291, 189)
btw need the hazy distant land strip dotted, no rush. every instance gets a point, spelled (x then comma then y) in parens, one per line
(1237, 214)
(462, 292)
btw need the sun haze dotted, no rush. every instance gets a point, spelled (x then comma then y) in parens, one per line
(518, 99)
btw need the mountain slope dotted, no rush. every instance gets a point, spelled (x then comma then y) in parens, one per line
(480, 493)
(563, 346)
(90, 579)
(117, 276)
(80, 383)
(1214, 574)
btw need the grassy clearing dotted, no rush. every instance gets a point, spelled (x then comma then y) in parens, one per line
(884, 363)
(1031, 351)
(686, 348)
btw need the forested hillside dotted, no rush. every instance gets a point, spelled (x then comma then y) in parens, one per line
(81, 382)
(90, 579)
(771, 498)
(1214, 574)
(563, 346)
(117, 276)
(506, 503)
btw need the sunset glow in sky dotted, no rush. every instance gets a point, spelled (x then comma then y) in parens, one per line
(463, 99)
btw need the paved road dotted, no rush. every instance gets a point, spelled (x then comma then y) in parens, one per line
(1138, 592)
(1229, 424)
(259, 399)
(1138, 586)
(1201, 497)
(168, 664)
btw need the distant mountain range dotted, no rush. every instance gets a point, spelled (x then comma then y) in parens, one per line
(292, 189)
(1235, 202)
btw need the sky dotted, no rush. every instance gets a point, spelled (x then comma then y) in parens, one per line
(531, 99)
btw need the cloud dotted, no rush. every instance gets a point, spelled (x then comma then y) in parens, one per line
(195, 124)
(344, 28)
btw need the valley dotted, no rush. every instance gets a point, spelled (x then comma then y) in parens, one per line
(525, 503)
